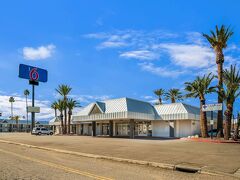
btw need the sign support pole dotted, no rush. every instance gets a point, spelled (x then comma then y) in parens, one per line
(33, 113)
(211, 125)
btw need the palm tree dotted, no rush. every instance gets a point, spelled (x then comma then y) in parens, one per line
(60, 107)
(26, 93)
(16, 118)
(198, 89)
(173, 95)
(64, 90)
(218, 41)
(54, 106)
(11, 100)
(70, 104)
(159, 93)
(231, 81)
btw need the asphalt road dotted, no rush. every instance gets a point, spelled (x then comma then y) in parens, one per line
(19, 162)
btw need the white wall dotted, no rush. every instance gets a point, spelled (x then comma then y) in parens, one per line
(183, 128)
(160, 129)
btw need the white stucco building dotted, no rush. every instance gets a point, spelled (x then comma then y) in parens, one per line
(131, 117)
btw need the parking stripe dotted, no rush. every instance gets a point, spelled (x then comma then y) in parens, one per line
(57, 166)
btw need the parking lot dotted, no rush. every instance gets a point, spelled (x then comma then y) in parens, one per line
(211, 156)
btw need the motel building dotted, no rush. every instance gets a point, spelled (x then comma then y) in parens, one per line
(126, 117)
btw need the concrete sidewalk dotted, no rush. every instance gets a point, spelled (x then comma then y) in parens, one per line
(208, 156)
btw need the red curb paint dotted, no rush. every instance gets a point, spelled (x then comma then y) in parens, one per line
(211, 140)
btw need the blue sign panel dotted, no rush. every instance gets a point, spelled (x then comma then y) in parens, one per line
(32, 73)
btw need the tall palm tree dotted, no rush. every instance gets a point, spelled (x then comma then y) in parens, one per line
(11, 100)
(173, 95)
(60, 107)
(70, 104)
(198, 89)
(231, 81)
(54, 106)
(26, 93)
(218, 41)
(64, 90)
(159, 92)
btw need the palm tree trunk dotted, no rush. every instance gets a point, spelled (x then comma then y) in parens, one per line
(203, 120)
(236, 130)
(220, 61)
(227, 128)
(160, 100)
(26, 114)
(11, 110)
(61, 117)
(65, 120)
(55, 112)
(173, 100)
(69, 121)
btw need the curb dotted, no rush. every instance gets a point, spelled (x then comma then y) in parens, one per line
(124, 160)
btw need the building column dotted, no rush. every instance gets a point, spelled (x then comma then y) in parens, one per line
(81, 129)
(132, 127)
(94, 128)
(111, 128)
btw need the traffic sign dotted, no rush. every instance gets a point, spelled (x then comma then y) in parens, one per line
(33, 109)
(211, 122)
(33, 73)
(212, 107)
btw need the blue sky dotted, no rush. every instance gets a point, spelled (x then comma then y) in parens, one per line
(110, 49)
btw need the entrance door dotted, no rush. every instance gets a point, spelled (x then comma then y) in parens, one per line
(105, 129)
(171, 129)
(142, 130)
(122, 129)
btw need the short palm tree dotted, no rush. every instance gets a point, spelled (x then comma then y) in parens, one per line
(231, 81)
(159, 93)
(198, 89)
(16, 118)
(218, 41)
(71, 104)
(11, 100)
(60, 106)
(54, 106)
(173, 95)
(64, 90)
(26, 94)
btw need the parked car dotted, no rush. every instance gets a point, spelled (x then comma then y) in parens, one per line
(41, 130)
(214, 132)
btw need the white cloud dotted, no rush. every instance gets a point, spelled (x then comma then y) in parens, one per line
(41, 52)
(188, 55)
(85, 99)
(140, 54)
(19, 108)
(160, 71)
(112, 44)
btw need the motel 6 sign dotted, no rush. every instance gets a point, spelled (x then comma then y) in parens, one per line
(212, 107)
(33, 73)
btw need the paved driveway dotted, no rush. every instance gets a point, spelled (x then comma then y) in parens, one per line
(218, 157)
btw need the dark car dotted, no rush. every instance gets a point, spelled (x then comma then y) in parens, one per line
(214, 131)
